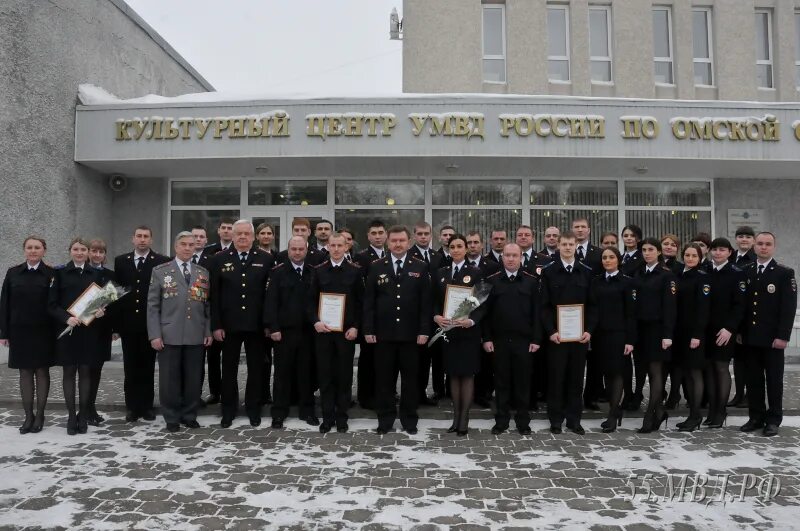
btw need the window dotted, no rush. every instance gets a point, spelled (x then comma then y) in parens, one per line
(200, 193)
(494, 44)
(600, 44)
(494, 192)
(797, 49)
(303, 193)
(662, 45)
(702, 44)
(558, 43)
(764, 49)
(380, 192)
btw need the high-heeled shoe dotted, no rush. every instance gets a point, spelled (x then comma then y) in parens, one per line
(691, 424)
(462, 432)
(83, 424)
(26, 425)
(614, 420)
(38, 424)
(453, 428)
(72, 425)
(719, 421)
(663, 419)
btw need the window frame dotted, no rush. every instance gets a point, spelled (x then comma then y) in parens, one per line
(599, 58)
(709, 42)
(484, 56)
(670, 45)
(797, 49)
(770, 51)
(567, 58)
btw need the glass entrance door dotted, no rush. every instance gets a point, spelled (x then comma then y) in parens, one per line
(281, 222)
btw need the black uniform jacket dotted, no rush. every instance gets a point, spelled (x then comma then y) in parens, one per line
(546, 252)
(23, 302)
(365, 257)
(213, 248)
(69, 283)
(287, 296)
(672, 264)
(238, 290)
(467, 276)
(593, 258)
(445, 259)
(745, 260)
(487, 267)
(656, 298)
(536, 263)
(348, 280)
(130, 313)
(560, 287)
(693, 303)
(398, 307)
(616, 305)
(728, 288)
(633, 264)
(771, 305)
(513, 308)
(434, 258)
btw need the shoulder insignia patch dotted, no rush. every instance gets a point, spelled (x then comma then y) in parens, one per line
(742, 286)
(496, 273)
(673, 287)
(793, 283)
(770, 288)
(633, 294)
(706, 289)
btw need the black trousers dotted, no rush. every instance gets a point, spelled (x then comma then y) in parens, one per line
(740, 369)
(266, 372)
(179, 382)
(231, 352)
(390, 357)
(214, 359)
(293, 371)
(765, 365)
(512, 377)
(539, 373)
(594, 388)
(566, 365)
(439, 381)
(366, 374)
(139, 364)
(484, 380)
(334, 355)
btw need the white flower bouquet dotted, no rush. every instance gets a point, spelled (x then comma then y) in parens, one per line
(480, 292)
(97, 300)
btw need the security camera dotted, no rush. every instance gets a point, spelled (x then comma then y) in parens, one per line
(117, 182)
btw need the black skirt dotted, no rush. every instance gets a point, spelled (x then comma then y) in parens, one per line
(609, 348)
(31, 347)
(648, 348)
(462, 356)
(723, 353)
(688, 358)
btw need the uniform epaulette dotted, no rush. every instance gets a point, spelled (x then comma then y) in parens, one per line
(586, 266)
(624, 275)
(378, 260)
(548, 265)
(322, 264)
(354, 264)
(525, 273)
(736, 268)
(494, 274)
(702, 271)
(164, 265)
(276, 266)
(412, 257)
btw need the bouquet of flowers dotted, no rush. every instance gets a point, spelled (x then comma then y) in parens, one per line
(480, 292)
(103, 297)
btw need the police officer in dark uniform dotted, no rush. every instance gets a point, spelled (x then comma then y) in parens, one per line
(511, 334)
(397, 320)
(693, 303)
(632, 256)
(728, 287)
(302, 227)
(238, 289)
(285, 318)
(26, 328)
(376, 234)
(334, 349)
(771, 306)
(97, 259)
(743, 258)
(566, 281)
(133, 271)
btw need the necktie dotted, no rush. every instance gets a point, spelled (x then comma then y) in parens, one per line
(347, 257)
(580, 253)
(608, 278)
(455, 271)
(31, 269)
(511, 278)
(195, 259)
(648, 271)
(569, 269)
(760, 269)
(380, 254)
(186, 275)
(626, 258)
(299, 272)
(399, 267)
(425, 255)
(525, 264)
(472, 263)
(139, 262)
(243, 257)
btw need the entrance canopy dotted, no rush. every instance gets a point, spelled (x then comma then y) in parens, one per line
(439, 135)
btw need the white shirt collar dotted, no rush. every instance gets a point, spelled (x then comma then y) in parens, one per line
(337, 264)
(649, 269)
(609, 275)
(497, 255)
(321, 247)
(445, 251)
(565, 264)
(423, 249)
(295, 266)
(378, 251)
(225, 247)
(723, 264)
(509, 273)
(197, 254)
(76, 266)
(459, 265)
(395, 259)
(34, 266)
(136, 255)
(181, 262)
(765, 264)
(528, 253)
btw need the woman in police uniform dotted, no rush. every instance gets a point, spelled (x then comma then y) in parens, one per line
(27, 330)
(670, 245)
(462, 350)
(265, 240)
(615, 334)
(655, 313)
(728, 287)
(632, 257)
(693, 303)
(97, 258)
(83, 348)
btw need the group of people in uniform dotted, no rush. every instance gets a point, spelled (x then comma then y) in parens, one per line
(650, 310)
